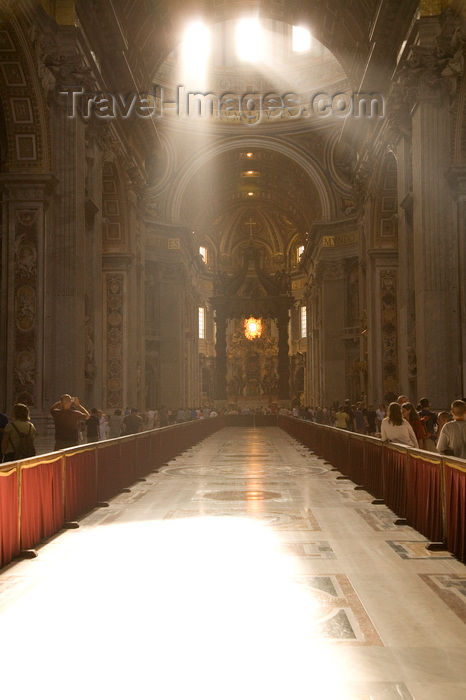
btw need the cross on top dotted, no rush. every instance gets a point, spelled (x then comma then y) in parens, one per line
(250, 223)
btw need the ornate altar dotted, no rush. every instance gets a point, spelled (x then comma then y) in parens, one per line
(252, 365)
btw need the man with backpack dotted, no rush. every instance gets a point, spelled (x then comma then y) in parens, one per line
(18, 435)
(429, 421)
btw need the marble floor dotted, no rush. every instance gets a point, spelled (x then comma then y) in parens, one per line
(244, 569)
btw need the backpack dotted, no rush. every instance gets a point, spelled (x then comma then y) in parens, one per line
(26, 447)
(424, 420)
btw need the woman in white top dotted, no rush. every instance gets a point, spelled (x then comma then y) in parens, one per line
(396, 429)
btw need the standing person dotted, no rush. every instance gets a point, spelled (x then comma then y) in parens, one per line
(92, 425)
(340, 418)
(410, 414)
(371, 418)
(163, 416)
(132, 423)
(3, 422)
(351, 412)
(150, 419)
(381, 413)
(452, 439)
(429, 419)
(442, 418)
(359, 422)
(67, 414)
(396, 429)
(402, 399)
(114, 424)
(102, 425)
(20, 425)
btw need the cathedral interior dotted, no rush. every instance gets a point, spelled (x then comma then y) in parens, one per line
(173, 172)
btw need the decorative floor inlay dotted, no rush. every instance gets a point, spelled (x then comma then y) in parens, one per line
(283, 521)
(416, 550)
(379, 518)
(340, 615)
(243, 472)
(451, 588)
(354, 496)
(312, 550)
(251, 495)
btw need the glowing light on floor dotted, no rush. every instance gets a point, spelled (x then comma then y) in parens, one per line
(191, 608)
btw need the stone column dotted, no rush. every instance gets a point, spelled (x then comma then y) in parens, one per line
(221, 354)
(333, 296)
(283, 355)
(171, 281)
(456, 177)
(23, 323)
(434, 240)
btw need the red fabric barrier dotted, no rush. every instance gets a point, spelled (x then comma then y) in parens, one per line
(317, 435)
(357, 471)
(9, 516)
(127, 466)
(373, 467)
(143, 462)
(455, 509)
(108, 469)
(80, 482)
(41, 500)
(395, 469)
(341, 450)
(155, 449)
(327, 444)
(424, 502)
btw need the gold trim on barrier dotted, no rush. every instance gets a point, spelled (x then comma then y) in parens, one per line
(8, 471)
(426, 459)
(80, 451)
(396, 448)
(454, 465)
(37, 462)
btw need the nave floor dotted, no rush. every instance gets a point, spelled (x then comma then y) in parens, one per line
(243, 570)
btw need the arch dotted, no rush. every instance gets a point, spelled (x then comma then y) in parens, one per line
(26, 130)
(304, 161)
(335, 24)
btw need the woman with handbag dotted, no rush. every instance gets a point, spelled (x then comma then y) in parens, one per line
(18, 436)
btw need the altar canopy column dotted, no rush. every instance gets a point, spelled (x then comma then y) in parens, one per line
(221, 355)
(283, 355)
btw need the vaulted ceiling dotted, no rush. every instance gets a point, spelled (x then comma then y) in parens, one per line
(293, 178)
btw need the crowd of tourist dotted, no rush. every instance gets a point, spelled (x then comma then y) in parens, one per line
(399, 422)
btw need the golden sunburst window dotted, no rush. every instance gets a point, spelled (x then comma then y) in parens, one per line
(252, 328)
